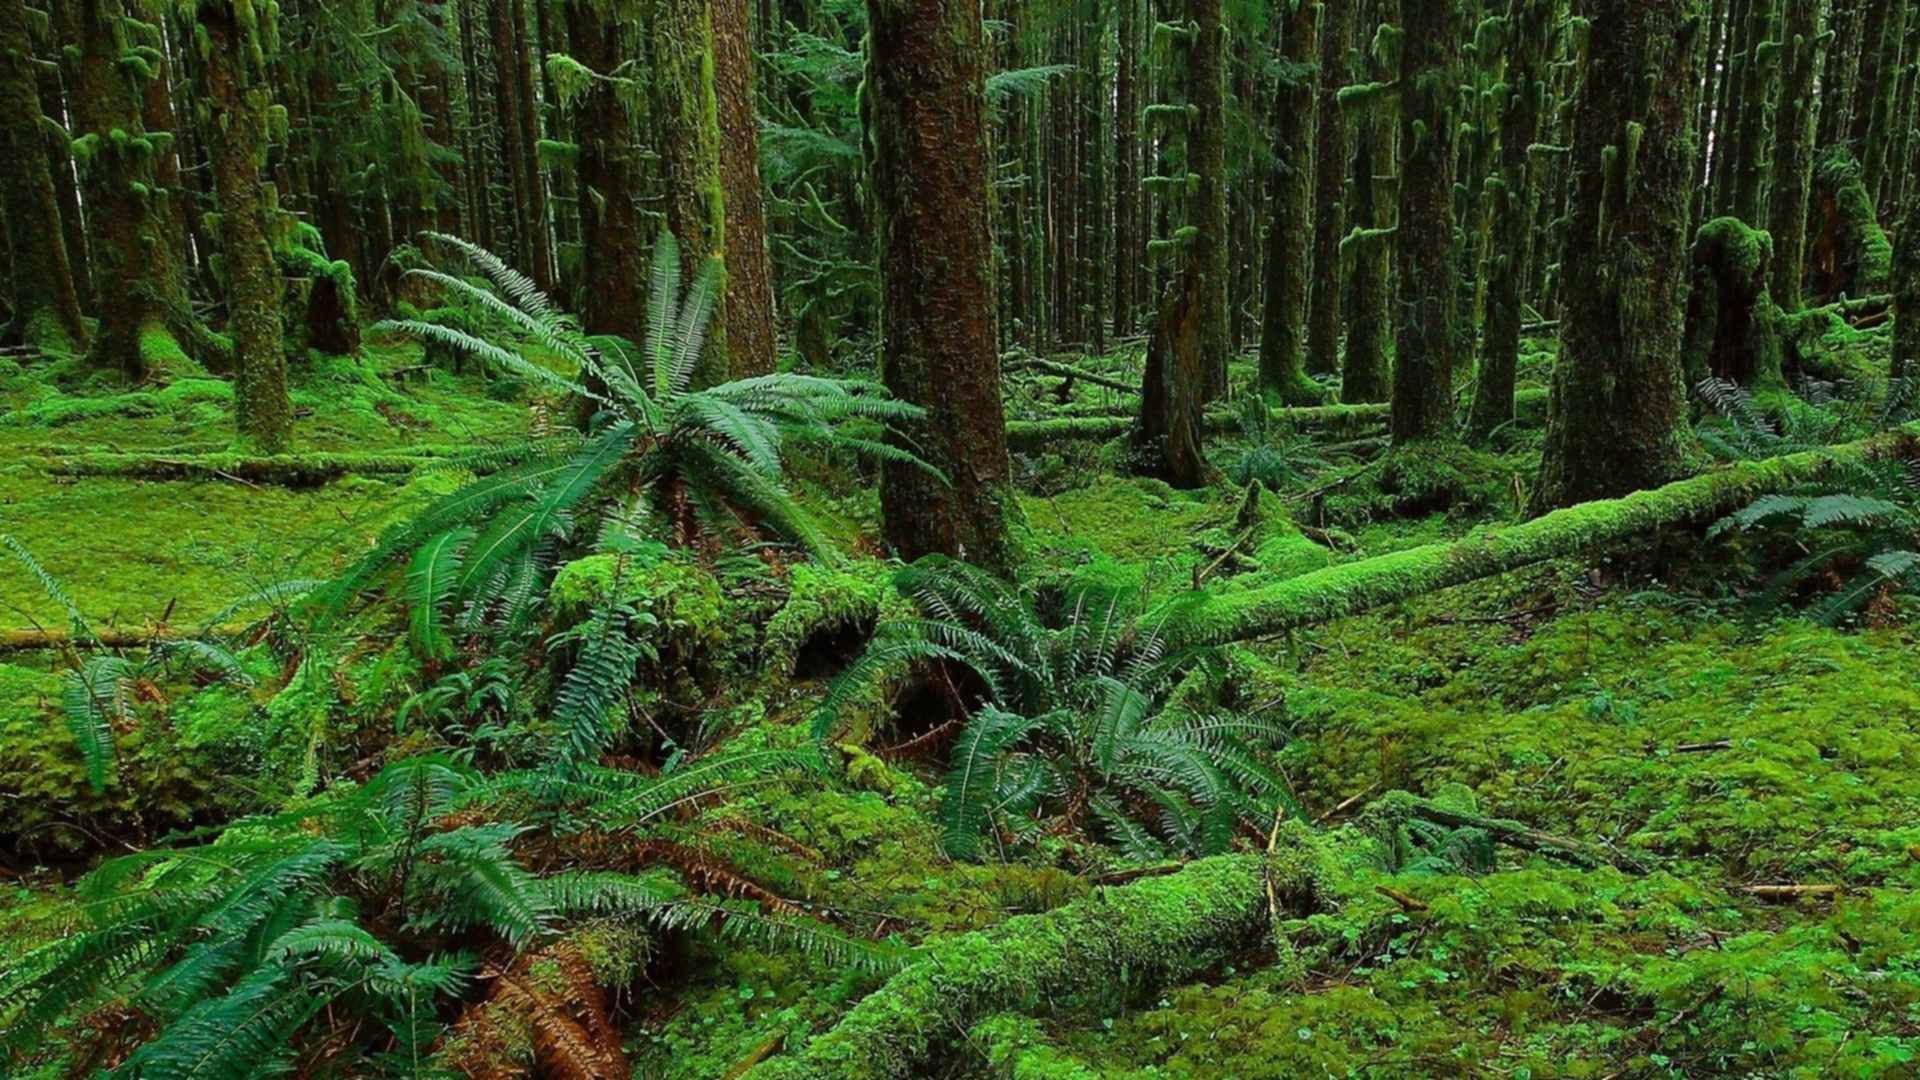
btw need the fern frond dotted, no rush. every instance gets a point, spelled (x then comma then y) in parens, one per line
(431, 581)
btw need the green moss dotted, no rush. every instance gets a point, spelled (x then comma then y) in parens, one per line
(683, 597)
(825, 599)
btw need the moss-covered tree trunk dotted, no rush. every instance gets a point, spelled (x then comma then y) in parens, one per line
(1366, 251)
(1617, 419)
(1847, 252)
(504, 37)
(750, 333)
(1906, 290)
(45, 302)
(1428, 43)
(686, 115)
(145, 319)
(1885, 94)
(1756, 86)
(233, 71)
(1207, 156)
(1529, 23)
(1329, 184)
(1801, 43)
(613, 261)
(1726, 128)
(1840, 76)
(1283, 343)
(1127, 251)
(1733, 325)
(526, 99)
(1169, 441)
(925, 113)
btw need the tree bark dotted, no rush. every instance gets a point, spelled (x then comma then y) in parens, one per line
(1329, 182)
(925, 113)
(1169, 441)
(1127, 249)
(686, 114)
(1513, 194)
(1756, 87)
(1283, 344)
(1617, 422)
(1839, 79)
(1800, 48)
(613, 263)
(1207, 156)
(1424, 345)
(1906, 290)
(750, 323)
(46, 303)
(236, 88)
(1885, 97)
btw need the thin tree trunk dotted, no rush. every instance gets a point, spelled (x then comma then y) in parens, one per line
(1329, 181)
(1127, 248)
(750, 332)
(1800, 48)
(1755, 92)
(1283, 344)
(1207, 154)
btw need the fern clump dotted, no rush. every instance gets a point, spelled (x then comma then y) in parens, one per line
(1076, 726)
(710, 456)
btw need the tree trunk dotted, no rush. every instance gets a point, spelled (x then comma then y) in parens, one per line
(1127, 251)
(1207, 156)
(236, 88)
(144, 314)
(750, 333)
(1800, 47)
(613, 263)
(925, 112)
(507, 105)
(1906, 290)
(1429, 49)
(1617, 422)
(526, 100)
(1839, 80)
(1329, 180)
(1283, 344)
(1726, 127)
(1756, 86)
(46, 304)
(1169, 441)
(1364, 372)
(1847, 253)
(1529, 22)
(1885, 92)
(686, 114)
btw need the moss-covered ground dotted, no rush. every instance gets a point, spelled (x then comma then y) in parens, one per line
(1629, 702)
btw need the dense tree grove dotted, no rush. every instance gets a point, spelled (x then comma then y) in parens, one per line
(968, 538)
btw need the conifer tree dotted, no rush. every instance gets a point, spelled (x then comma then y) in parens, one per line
(686, 115)
(1617, 419)
(1329, 183)
(1427, 46)
(750, 332)
(925, 115)
(46, 303)
(236, 40)
(1801, 44)
(1283, 361)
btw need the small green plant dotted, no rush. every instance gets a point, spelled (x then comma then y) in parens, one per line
(1080, 725)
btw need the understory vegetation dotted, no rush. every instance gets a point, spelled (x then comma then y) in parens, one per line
(858, 539)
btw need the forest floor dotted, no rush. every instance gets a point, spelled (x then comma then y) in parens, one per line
(1634, 702)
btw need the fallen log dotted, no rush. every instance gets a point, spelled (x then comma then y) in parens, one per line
(1028, 436)
(112, 637)
(1068, 371)
(1318, 596)
(282, 470)
(1148, 933)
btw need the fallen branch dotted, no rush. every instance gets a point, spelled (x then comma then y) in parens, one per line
(1337, 591)
(1787, 892)
(1068, 371)
(112, 637)
(284, 470)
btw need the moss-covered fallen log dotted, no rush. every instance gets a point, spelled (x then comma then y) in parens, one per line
(110, 637)
(284, 470)
(1068, 371)
(1144, 935)
(1530, 405)
(1336, 591)
(1156, 930)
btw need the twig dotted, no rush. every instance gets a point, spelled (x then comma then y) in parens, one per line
(1702, 747)
(1407, 902)
(1346, 804)
(1787, 892)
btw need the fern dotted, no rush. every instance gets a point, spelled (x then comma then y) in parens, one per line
(431, 581)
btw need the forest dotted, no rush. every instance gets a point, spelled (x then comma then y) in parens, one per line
(970, 539)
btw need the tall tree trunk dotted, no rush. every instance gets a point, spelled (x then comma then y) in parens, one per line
(1726, 126)
(505, 42)
(1839, 79)
(614, 270)
(1365, 375)
(1127, 249)
(533, 182)
(925, 111)
(1800, 46)
(144, 314)
(1329, 180)
(1906, 290)
(1429, 46)
(236, 87)
(1513, 193)
(750, 333)
(687, 116)
(54, 103)
(1884, 92)
(1618, 412)
(1756, 87)
(46, 304)
(1283, 355)
(1711, 74)
(1207, 156)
